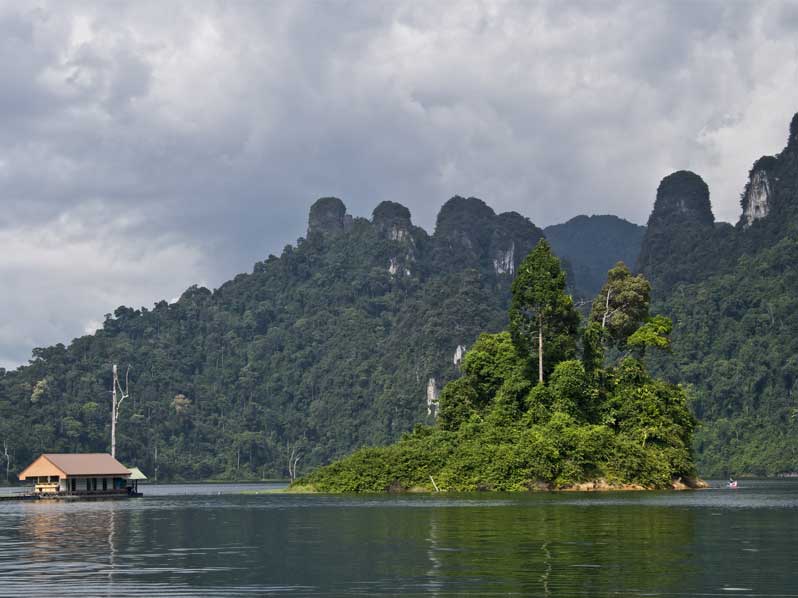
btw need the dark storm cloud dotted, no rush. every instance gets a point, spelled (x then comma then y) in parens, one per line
(148, 146)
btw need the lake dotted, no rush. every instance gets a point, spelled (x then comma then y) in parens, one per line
(211, 540)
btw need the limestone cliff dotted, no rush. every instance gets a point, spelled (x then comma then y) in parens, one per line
(392, 220)
(756, 198)
(681, 235)
(682, 198)
(469, 233)
(328, 216)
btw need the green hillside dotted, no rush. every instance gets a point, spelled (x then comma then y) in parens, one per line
(732, 292)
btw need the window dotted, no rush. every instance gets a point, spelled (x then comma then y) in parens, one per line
(105, 484)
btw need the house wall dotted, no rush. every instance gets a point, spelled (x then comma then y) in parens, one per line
(40, 467)
(66, 484)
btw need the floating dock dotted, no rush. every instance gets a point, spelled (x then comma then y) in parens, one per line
(70, 497)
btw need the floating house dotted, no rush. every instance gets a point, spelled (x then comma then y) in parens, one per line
(84, 475)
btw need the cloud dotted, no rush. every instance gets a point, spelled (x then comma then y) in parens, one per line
(194, 135)
(57, 275)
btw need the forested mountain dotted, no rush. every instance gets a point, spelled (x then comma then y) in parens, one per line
(539, 406)
(338, 342)
(332, 345)
(732, 292)
(592, 245)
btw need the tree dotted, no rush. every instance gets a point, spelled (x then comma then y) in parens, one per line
(621, 305)
(6, 457)
(458, 402)
(654, 333)
(294, 454)
(541, 312)
(572, 391)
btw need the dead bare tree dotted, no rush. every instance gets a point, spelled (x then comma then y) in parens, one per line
(116, 403)
(7, 457)
(155, 462)
(608, 313)
(294, 455)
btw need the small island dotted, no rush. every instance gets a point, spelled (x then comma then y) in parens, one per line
(552, 403)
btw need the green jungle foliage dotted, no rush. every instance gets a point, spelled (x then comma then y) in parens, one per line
(735, 343)
(500, 428)
(732, 293)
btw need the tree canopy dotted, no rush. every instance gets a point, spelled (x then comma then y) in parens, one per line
(543, 320)
(621, 305)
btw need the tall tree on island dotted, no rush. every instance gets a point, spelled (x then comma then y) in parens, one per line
(542, 315)
(622, 305)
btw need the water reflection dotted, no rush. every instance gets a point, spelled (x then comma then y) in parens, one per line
(543, 545)
(549, 549)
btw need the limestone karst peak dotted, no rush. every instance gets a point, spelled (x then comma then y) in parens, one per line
(457, 208)
(792, 142)
(682, 198)
(465, 221)
(328, 216)
(392, 220)
(512, 235)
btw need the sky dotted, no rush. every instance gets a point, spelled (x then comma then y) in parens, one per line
(149, 146)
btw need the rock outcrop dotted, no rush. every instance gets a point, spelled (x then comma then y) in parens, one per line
(465, 224)
(756, 197)
(510, 234)
(433, 395)
(682, 198)
(675, 247)
(504, 260)
(392, 220)
(328, 217)
(469, 233)
(459, 354)
(792, 142)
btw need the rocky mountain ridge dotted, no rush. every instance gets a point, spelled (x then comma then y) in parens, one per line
(732, 292)
(344, 340)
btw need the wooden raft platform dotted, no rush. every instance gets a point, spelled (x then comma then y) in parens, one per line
(73, 496)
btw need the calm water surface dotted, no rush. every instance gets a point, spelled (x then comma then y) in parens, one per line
(215, 541)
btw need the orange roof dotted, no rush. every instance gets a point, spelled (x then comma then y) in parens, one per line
(73, 464)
